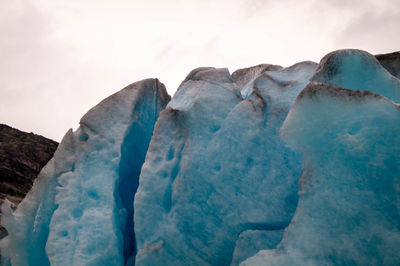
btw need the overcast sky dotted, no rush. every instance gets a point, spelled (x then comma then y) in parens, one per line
(58, 58)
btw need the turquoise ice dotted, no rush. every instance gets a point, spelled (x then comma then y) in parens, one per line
(216, 167)
(349, 206)
(79, 209)
(264, 166)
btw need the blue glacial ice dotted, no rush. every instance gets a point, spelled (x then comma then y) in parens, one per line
(81, 205)
(348, 211)
(250, 242)
(357, 70)
(216, 166)
(264, 166)
(349, 207)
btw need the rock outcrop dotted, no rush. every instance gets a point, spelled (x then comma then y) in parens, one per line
(22, 156)
(391, 62)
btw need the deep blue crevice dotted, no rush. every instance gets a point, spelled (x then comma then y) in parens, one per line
(133, 153)
(271, 226)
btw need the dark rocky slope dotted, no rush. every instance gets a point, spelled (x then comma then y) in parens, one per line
(22, 156)
(391, 62)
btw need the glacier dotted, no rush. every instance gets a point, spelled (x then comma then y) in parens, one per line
(80, 206)
(224, 169)
(264, 166)
(348, 210)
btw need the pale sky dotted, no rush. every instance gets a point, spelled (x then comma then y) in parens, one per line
(59, 58)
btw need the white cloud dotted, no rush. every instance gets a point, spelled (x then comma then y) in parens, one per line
(374, 32)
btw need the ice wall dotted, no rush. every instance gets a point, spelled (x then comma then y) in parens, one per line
(264, 166)
(79, 211)
(216, 168)
(349, 206)
(348, 212)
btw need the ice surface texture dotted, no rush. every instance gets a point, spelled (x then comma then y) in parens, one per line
(80, 206)
(264, 166)
(349, 207)
(216, 166)
(357, 70)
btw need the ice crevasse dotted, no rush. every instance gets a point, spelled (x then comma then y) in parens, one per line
(79, 211)
(264, 166)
